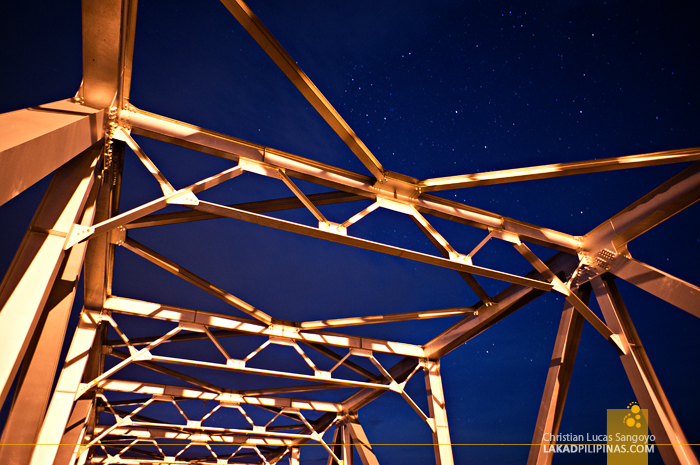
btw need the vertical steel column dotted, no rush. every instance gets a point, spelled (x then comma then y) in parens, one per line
(646, 386)
(99, 258)
(557, 384)
(28, 283)
(438, 413)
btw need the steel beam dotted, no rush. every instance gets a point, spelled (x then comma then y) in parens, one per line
(156, 389)
(302, 198)
(36, 380)
(559, 169)
(445, 249)
(671, 197)
(145, 340)
(227, 437)
(647, 389)
(399, 372)
(461, 213)
(99, 257)
(362, 444)
(294, 456)
(198, 434)
(319, 426)
(196, 138)
(27, 285)
(556, 386)
(656, 282)
(374, 319)
(84, 416)
(50, 136)
(442, 444)
(56, 419)
(249, 326)
(341, 446)
(301, 81)
(185, 196)
(263, 206)
(108, 43)
(165, 185)
(347, 445)
(99, 267)
(367, 245)
(570, 297)
(505, 303)
(264, 372)
(168, 372)
(345, 360)
(108, 47)
(36, 141)
(192, 278)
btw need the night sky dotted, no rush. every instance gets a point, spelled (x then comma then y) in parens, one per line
(433, 89)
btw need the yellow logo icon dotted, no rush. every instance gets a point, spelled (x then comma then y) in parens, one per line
(634, 418)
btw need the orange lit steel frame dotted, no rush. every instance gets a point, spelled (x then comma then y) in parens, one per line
(77, 226)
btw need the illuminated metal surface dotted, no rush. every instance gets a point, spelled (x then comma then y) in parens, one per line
(95, 415)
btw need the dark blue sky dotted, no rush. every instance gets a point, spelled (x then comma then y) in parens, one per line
(433, 90)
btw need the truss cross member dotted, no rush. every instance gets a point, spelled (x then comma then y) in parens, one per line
(446, 250)
(647, 389)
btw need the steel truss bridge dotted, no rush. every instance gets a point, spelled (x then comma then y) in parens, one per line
(99, 412)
